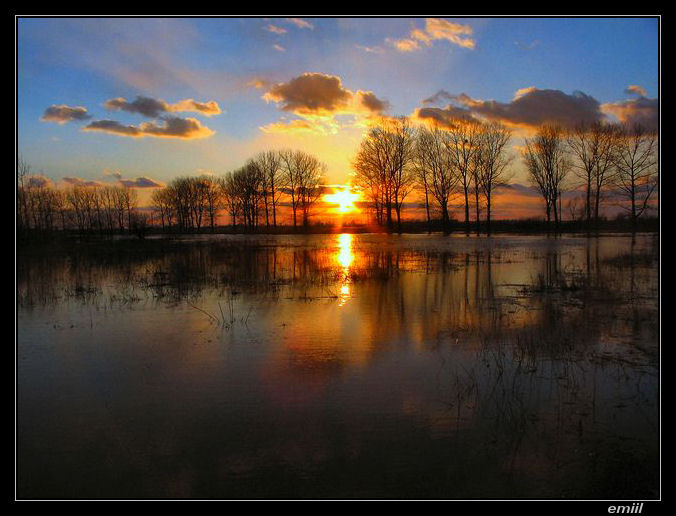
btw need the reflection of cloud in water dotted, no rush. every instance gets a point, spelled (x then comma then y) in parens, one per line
(541, 353)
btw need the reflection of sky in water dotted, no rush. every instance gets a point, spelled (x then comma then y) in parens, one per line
(342, 347)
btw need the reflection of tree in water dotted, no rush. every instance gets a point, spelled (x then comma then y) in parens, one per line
(548, 380)
(574, 378)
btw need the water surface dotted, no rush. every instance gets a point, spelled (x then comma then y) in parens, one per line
(339, 366)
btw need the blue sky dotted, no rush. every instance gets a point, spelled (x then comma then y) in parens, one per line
(248, 66)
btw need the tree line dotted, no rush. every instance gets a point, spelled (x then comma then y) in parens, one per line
(466, 160)
(461, 163)
(250, 195)
(40, 208)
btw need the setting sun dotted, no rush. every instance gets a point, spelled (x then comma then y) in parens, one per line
(345, 200)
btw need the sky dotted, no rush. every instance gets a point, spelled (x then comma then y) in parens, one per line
(144, 100)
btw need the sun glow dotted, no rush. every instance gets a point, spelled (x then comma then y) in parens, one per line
(345, 258)
(345, 200)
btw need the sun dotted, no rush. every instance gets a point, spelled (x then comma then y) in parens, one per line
(345, 200)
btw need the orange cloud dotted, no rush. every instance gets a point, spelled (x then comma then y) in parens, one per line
(300, 23)
(405, 44)
(297, 126)
(638, 90)
(643, 111)
(436, 29)
(320, 94)
(276, 30)
(153, 108)
(171, 127)
(318, 98)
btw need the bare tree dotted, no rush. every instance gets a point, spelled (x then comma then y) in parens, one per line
(401, 146)
(383, 167)
(163, 206)
(212, 197)
(463, 143)
(593, 147)
(637, 172)
(23, 170)
(231, 197)
(302, 175)
(270, 165)
(370, 165)
(492, 161)
(547, 164)
(422, 172)
(435, 161)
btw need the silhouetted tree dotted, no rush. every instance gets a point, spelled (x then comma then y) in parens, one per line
(593, 147)
(383, 167)
(637, 173)
(492, 161)
(302, 174)
(270, 165)
(434, 159)
(547, 164)
(464, 143)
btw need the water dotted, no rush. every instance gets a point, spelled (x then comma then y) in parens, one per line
(339, 366)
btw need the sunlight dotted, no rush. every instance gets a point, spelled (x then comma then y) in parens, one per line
(345, 200)
(345, 258)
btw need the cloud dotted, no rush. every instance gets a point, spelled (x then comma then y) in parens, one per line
(276, 30)
(170, 127)
(444, 118)
(296, 126)
(371, 102)
(279, 48)
(532, 107)
(300, 23)
(259, 84)
(318, 99)
(643, 111)
(76, 181)
(112, 126)
(404, 45)
(317, 94)
(636, 89)
(209, 108)
(146, 106)
(438, 96)
(115, 173)
(141, 182)
(436, 29)
(153, 108)
(38, 181)
(309, 93)
(524, 91)
(371, 50)
(62, 113)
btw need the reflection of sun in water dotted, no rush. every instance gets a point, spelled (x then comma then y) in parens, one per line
(345, 258)
(345, 254)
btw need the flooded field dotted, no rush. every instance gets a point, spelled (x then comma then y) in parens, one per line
(340, 366)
